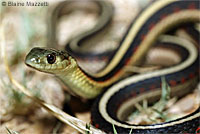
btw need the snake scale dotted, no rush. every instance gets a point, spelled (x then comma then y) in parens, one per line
(121, 94)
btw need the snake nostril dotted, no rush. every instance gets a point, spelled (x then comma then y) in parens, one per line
(37, 60)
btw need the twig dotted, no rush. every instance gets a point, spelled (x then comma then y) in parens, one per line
(79, 125)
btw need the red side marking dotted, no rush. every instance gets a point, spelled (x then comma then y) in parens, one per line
(151, 26)
(151, 89)
(104, 58)
(192, 6)
(160, 84)
(135, 48)
(191, 75)
(142, 37)
(163, 16)
(182, 80)
(116, 109)
(133, 94)
(141, 90)
(127, 96)
(96, 58)
(117, 73)
(118, 104)
(198, 130)
(172, 82)
(97, 125)
(127, 61)
(152, 86)
(176, 9)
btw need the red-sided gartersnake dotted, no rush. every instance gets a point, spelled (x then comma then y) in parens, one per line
(119, 98)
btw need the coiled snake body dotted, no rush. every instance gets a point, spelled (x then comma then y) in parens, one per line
(119, 98)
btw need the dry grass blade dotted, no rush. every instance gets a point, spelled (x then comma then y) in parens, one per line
(10, 131)
(72, 121)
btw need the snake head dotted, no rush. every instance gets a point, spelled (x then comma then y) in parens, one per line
(48, 60)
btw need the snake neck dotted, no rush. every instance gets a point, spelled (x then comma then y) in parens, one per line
(79, 83)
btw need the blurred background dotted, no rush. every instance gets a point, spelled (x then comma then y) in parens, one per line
(25, 27)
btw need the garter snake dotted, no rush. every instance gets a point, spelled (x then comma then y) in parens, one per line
(143, 33)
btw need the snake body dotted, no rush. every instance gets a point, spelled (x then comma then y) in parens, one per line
(143, 33)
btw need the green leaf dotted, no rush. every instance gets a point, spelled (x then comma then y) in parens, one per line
(114, 130)
(130, 131)
(10, 131)
(165, 89)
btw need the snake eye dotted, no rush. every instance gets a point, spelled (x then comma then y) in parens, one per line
(51, 58)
